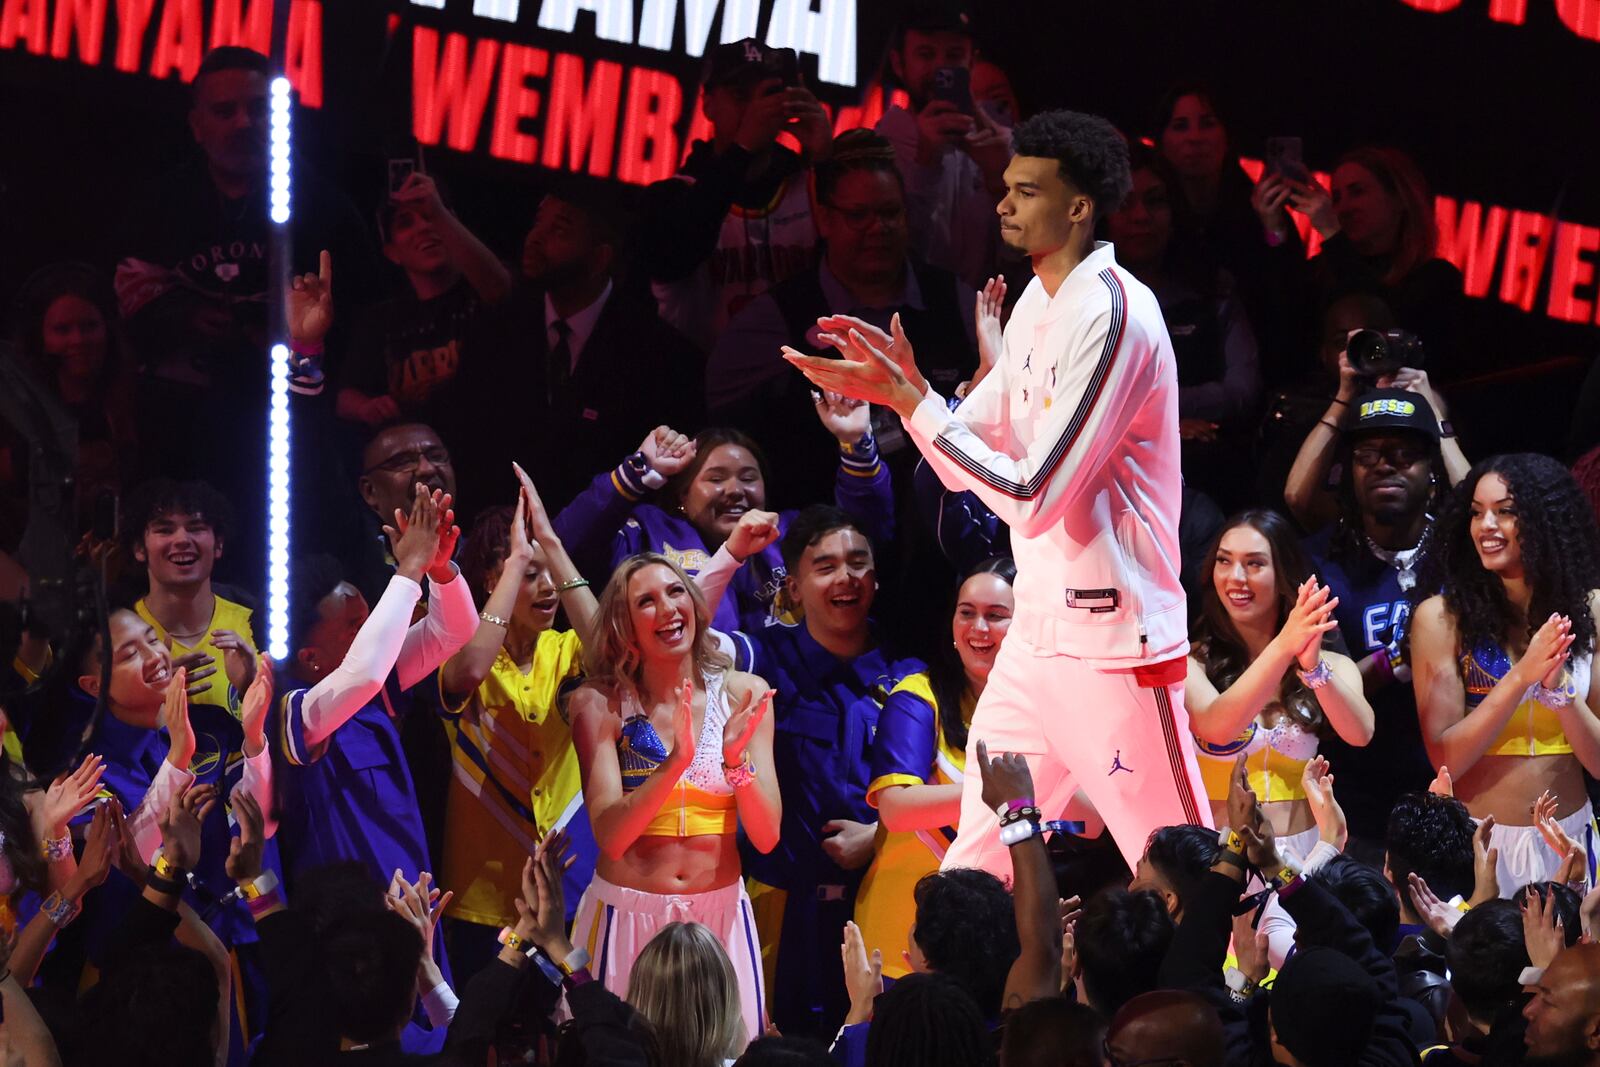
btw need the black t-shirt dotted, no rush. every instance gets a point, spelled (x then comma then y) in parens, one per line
(192, 271)
(410, 349)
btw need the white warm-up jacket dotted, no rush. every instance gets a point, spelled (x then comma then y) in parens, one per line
(1072, 439)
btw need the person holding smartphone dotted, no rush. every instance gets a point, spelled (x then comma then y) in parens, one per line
(952, 154)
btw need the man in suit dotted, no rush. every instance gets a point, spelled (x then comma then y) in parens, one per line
(590, 365)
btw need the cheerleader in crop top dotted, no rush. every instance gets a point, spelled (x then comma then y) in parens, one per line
(1260, 684)
(1502, 657)
(675, 749)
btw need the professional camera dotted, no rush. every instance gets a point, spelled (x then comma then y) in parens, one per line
(1374, 353)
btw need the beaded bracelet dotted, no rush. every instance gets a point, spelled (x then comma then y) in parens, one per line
(1317, 676)
(57, 849)
(1555, 698)
(1023, 814)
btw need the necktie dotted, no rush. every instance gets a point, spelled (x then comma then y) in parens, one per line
(560, 367)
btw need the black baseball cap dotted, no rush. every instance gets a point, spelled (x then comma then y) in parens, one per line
(1390, 410)
(746, 60)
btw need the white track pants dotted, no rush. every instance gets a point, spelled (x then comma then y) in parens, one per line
(1126, 746)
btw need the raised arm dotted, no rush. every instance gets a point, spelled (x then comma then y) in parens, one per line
(1305, 491)
(482, 268)
(756, 532)
(577, 597)
(619, 818)
(466, 670)
(587, 525)
(452, 617)
(1037, 971)
(862, 489)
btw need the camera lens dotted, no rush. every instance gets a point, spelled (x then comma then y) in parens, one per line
(1366, 348)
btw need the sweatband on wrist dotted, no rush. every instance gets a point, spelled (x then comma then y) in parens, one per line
(860, 459)
(58, 848)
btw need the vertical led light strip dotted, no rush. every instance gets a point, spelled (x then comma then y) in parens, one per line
(278, 409)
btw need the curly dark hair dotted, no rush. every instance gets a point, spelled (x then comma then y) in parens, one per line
(1556, 534)
(1431, 835)
(946, 677)
(161, 497)
(1216, 642)
(485, 547)
(1367, 896)
(1092, 153)
(967, 928)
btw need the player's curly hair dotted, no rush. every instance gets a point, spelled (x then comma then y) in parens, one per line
(1093, 154)
(1560, 553)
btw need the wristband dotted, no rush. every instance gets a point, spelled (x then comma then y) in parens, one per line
(57, 849)
(576, 961)
(1317, 676)
(172, 887)
(1232, 858)
(260, 886)
(1286, 876)
(576, 583)
(1229, 839)
(59, 909)
(1015, 833)
(313, 349)
(516, 942)
(632, 476)
(740, 776)
(494, 620)
(260, 905)
(165, 868)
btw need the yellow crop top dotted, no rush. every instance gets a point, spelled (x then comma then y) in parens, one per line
(1275, 759)
(702, 802)
(1533, 729)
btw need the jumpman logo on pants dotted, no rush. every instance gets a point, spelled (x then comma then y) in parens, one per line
(1118, 765)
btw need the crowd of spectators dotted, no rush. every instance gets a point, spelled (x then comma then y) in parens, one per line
(627, 676)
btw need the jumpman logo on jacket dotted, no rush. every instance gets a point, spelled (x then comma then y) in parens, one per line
(1118, 765)
(1027, 360)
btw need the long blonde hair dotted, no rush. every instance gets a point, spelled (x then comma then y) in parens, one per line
(684, 986)
(612, 657)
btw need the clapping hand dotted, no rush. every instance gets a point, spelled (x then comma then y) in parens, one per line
(1543, 930)
(180, 824)
(238, 659)
(1317, 781)
(257, 702)
(1546, 658)
(863, 974)
(742, 724)
(50, 810)
(414, 538)
(1437, 915)
(991, 302)
(542, 909)
(1485, 864)
(246, 849)
(175, 718)
(683, 739)
(1309, 619)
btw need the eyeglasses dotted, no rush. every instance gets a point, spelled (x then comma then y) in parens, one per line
(1158, 1061)
(1397, 455)
(405, 462)
(860, 219)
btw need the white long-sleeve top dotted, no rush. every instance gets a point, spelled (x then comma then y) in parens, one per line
(389, 640)
(1072, 440)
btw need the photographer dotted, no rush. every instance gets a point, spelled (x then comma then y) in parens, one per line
(1391, 451)
(736, 218)
(1310, 497)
